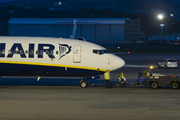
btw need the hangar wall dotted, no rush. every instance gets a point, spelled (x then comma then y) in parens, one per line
(95, 30)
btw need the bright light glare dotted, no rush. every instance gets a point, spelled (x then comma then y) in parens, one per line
(161, 25)
(151, 67)
(160, 17)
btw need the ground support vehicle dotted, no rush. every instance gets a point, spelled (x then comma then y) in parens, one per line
(96, 80)
(148, 78)
(86, 81)
(164, 81)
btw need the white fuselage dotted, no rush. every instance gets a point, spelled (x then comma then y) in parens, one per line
(54, 57)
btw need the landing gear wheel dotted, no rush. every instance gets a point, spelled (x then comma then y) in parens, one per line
(154, 85)
(83, 84)
(175, 85)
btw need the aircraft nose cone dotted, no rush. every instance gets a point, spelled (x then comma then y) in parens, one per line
(118, 62)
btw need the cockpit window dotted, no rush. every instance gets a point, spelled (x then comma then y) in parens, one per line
(106, 51)
(100, 52)
(96, 51)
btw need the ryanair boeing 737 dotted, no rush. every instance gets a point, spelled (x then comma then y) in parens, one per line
(40, 56)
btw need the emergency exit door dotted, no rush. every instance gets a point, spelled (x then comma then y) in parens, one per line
(77, 54)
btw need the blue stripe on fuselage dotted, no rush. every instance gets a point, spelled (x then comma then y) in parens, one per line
(8, 69)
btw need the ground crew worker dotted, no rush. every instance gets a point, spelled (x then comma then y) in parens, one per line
(122, 79)
(107, 78)
(148, 74)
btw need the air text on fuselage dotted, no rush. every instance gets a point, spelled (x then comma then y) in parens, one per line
(18, 49)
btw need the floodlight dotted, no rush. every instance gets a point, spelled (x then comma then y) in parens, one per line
(160, 17)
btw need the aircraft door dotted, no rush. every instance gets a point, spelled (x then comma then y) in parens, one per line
(77, 54)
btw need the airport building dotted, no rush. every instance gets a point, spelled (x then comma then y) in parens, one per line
(92, 29)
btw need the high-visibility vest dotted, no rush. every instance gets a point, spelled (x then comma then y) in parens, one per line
(106, 76)
(148, 74)
(121, 75)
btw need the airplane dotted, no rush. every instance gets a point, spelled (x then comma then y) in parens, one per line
(54, 57)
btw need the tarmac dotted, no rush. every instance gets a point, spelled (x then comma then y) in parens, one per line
(57, 102)
(92, 103)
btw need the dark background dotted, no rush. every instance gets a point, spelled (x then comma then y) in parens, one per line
(144, 10)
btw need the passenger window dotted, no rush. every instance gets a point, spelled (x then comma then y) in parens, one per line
(41, 52)
(37, 52)
(15, 52)
(47, 52)
(57, 52)
(9, 52)
(3, 51)
(26, 52)
(32, 52)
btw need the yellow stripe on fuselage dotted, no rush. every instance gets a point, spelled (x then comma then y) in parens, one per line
(53, 65)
